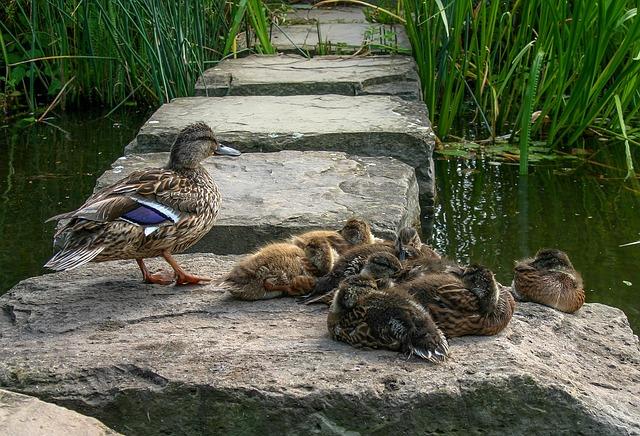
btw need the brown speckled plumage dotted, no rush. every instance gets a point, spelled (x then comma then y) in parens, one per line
(549, 279)
(149, 213)
(471, 303)
(364, 316)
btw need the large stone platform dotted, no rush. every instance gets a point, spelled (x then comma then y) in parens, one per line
(365, 125)
(149, 360)
(267, 196)
(297, 75)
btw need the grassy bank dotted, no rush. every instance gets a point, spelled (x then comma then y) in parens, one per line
(505, 63)
(106, 52)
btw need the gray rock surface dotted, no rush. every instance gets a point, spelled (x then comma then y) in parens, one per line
(268, 196)
(300, 14)
(146, 359)
(341, 38)
(368, 125)
(24, 415)
(297, 75)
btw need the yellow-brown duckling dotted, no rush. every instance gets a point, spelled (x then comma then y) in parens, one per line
(355, 232)
(279, 269)
(549, 279)
(470, 303)
(364, 316)
(408, 244)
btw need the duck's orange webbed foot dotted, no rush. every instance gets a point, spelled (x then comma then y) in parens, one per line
(181, 276)
(161, 278)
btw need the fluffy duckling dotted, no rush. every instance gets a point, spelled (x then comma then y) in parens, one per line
(278, 269)
(549, 279)
(408, 244)
(471, 303)
(364, 316)
(150, 213)
(354, 232)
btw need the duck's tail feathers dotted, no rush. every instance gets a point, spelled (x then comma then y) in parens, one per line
(69, 259)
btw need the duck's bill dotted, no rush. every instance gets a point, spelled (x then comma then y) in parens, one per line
(225, 150)
(403, 254)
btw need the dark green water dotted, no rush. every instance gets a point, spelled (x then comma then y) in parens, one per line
(484, 213)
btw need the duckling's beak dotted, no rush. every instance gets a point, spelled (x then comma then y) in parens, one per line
(402, 254)
(225, 150)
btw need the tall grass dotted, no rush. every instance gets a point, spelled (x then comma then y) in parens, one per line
(475, 58)
(108, 51)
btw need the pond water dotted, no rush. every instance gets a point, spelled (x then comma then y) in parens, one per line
(484, 213)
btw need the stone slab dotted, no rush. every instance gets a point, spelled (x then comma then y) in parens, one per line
(269, 196)
(146, 359)
(296, 75)
(367, 125)
(339, 14)
(24, 415)
(339, 38)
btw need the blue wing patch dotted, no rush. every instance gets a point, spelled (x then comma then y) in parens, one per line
(145, 216)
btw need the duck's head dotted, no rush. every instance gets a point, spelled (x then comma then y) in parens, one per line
(481, 281)
(321, 255)
(195, 143)
(550, 258)
(408, 242)
(356, 232)
(381, 266)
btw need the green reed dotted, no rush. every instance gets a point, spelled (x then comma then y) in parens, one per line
(108, 52)
(475, 58)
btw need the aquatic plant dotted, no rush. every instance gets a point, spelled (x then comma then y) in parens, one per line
(107, 52)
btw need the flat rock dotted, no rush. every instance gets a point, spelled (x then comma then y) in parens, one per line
(339, 14)
(146, 359)
(341, 38)
(270, 196)
(24, 415)
(297, 75)
(367, 125)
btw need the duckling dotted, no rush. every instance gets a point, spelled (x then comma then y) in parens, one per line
(409, 237)
(549, 279)
(470, 303)
(364, 316)
(149, 213)
(278, 269)
(354, 232)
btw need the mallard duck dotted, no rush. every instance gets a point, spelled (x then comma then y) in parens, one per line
(354, 232)
(549, 279)
(364, 316)
(150, 213)
(279, 269)
(470, 303)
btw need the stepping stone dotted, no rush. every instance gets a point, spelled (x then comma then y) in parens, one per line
(367, 125)
(340, 38)
(297, 75)
(340, 14)
(24, 415)
(153, 360)
(269, 196)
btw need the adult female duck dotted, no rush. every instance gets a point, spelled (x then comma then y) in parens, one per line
(150, 213)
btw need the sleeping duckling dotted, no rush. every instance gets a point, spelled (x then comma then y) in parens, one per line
(470, 303)
(354, 232)
(549, 279)
(364, 316)
(407, 238)
(278, 269)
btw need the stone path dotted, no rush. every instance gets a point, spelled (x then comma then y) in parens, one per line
(269, 196)
(148, 359)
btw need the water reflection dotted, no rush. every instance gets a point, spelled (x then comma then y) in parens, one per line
(46, 170)
(486, 213)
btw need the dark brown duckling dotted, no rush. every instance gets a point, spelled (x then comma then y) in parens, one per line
(278, 269)
(549, 279)
(354, 232)
(364, 316)
(409, 244)
(471, 303)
